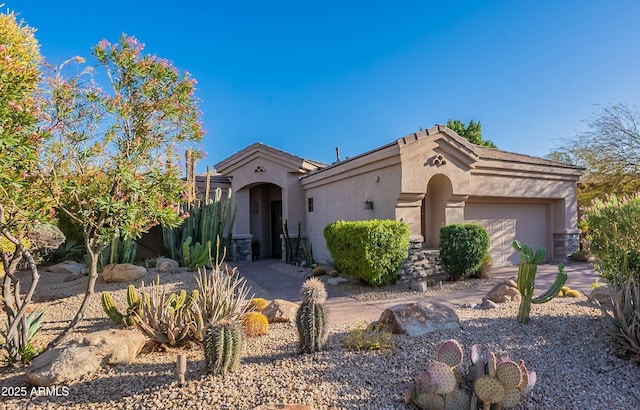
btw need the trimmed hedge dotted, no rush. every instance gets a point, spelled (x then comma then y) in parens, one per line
(371, 251)
(463, 249)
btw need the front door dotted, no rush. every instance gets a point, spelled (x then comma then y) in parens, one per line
(276, 229)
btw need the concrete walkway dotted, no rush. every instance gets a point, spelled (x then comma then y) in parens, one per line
(344, 309)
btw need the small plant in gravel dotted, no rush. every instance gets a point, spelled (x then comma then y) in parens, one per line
(490, 381)
(526, 279)
(370, 337)
(311, 318)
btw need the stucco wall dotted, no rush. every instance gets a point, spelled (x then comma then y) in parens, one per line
(340, 194)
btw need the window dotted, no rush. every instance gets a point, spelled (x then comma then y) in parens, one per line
(310, 204)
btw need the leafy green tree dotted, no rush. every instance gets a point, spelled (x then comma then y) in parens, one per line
(609, 151)
(472, 132)
(22, 203)
(111, 161)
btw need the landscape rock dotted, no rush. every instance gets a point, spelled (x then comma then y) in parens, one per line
(602, 294)
(80, 357)
(123, 272)
(336, 281)
(283, 407)
(280, 310)
(488, 304)
(69, 268)
(419, 286)
(116, 346)
(62, 364)
(418, 319)
(504, 292)
(45, 236)
(167, 265)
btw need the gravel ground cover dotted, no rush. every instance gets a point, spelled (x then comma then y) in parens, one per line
(564, 343)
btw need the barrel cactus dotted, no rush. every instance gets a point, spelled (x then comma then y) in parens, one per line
(222, 345)
(255, 324)
(311, 318)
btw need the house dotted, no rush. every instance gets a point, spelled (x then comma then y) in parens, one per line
(428, 179)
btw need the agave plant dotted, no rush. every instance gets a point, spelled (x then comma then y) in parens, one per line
(223, 294)
(165, 318)
(624, 320)
(33, 325)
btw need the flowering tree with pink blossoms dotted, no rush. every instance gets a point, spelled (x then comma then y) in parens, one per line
(110, 161)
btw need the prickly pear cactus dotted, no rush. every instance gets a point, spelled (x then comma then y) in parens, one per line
(494, 381)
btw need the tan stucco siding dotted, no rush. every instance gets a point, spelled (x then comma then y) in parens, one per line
(262, 170)
(342, 197)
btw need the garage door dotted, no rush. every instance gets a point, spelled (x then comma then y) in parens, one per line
(507, 222)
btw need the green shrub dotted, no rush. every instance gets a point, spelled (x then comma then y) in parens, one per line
(371, 251)
(613, 226)
(463, 249)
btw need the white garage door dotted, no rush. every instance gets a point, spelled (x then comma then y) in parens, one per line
(507, 222)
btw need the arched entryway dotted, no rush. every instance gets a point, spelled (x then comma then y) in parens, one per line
(265, 209)
(433, 209)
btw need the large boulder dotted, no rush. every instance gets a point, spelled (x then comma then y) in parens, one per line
(45, 236)
(504, 292)
(418, 319)
(62, 364)
(85, 355)
(69, 268)
(122, 272)
(280, 310)
(167, 265)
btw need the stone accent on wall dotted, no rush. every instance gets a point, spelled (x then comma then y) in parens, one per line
(240, 248)
(565, 243)
(421, 263)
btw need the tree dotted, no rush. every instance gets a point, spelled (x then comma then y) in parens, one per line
(609, 151)
(110, 163)
(471, 132)
(22, 203)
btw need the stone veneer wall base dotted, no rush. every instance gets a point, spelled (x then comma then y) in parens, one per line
(421, 264)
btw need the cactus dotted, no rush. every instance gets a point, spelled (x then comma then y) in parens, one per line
(258, 304)
(311, 321)
(311, 318)
(450, 352)
(208, 219)
(222, 345)
(134, 310)
(526, 277)
(313, 291)
(255, 324)
(498, 382)
(119, 251)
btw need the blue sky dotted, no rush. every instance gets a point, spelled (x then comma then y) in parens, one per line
(306, 77)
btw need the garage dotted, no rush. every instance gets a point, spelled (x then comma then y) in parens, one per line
(507, 222)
